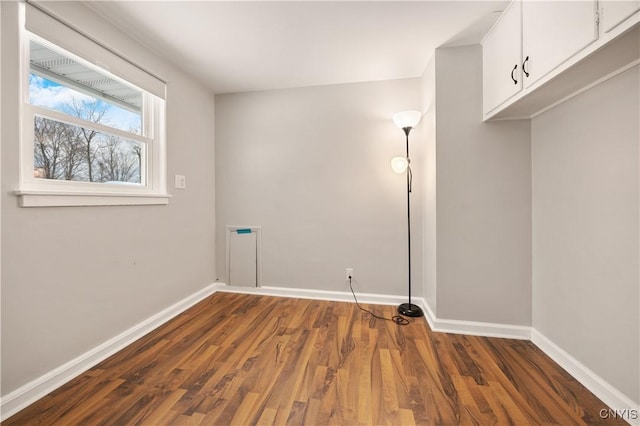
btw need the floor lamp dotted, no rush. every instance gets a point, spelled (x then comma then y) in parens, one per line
(407, 120)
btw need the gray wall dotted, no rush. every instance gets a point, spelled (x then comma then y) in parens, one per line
(74, 277)
(428, 139)
(312, 167)
(483, 200)
(585, 229)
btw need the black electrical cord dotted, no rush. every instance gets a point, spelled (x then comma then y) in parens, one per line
(396, 318)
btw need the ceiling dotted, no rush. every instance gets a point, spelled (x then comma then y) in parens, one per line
(243, 46)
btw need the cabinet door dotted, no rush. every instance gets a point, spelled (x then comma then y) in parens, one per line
(501, 59)
(615, 12)
(554, 31)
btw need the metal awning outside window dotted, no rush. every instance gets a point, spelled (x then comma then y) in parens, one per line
(63, 70)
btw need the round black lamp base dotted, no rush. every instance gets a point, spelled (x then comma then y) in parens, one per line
(410, 310)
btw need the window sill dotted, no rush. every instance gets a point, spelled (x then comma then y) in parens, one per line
(31, 198)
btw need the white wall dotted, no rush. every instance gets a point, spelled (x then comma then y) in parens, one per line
(585, 229)
(74, 277)
(311, 166)
(483, 184)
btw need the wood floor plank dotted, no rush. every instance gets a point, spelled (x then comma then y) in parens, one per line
(77, 415)
(546, 405)
(298, 361)
(312, 411)
(49, 409)
(469, 411)
(503, 383)
(507, 409)
(161, 411)
(237, 359)
(267, 417)
(406, 417)
(364, 379)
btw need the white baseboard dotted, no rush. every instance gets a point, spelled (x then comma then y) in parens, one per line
(438, 325)
(475, 328)
(611, 396)
(336, 296)
(36, 389)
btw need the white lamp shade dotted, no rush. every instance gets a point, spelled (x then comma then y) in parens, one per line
(399, 164)
(407, 119)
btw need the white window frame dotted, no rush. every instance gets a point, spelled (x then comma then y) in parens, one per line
(37, 192)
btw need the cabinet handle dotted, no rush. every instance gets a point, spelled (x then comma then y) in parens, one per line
(512, 71)
(524, 70)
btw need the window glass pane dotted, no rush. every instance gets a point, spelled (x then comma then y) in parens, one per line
(59, 83)
(63, 151)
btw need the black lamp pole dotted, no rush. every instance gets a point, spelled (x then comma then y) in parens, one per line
(409, 309)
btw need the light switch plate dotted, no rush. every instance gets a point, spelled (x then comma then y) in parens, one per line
(180, 182)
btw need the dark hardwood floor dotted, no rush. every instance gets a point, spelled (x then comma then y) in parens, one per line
(243, 359)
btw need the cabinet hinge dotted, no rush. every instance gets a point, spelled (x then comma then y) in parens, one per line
(597, 16)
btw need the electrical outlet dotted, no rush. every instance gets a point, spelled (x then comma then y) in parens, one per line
(349, 273)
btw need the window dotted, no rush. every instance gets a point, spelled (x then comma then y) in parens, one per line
(89, 136)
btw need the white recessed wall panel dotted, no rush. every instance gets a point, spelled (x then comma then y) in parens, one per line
(243, 256)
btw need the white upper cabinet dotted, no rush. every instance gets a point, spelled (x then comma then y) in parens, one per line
(502, 59)
(616, 12)
(553, 32)
(540, 52)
